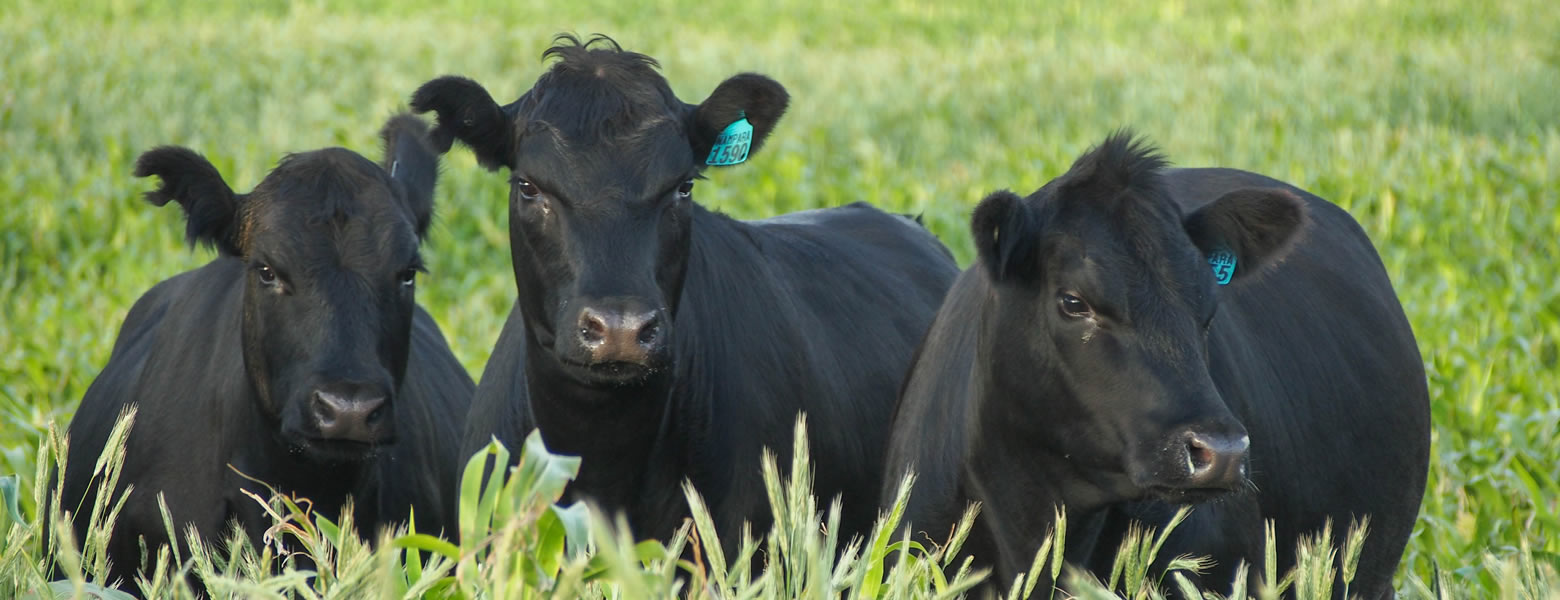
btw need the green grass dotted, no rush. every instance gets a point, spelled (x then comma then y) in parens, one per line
(1436, 124)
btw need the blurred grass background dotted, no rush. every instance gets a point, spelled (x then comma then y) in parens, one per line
(1436, 124)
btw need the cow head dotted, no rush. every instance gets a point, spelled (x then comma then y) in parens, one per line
(602, 159)
(329, 241)
(1103, 299)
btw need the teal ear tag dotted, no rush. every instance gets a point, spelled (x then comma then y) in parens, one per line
(1223, 262)
(731, 146)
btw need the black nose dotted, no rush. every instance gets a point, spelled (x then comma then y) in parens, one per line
(619, 333)
(351, 413)
(1215, 460)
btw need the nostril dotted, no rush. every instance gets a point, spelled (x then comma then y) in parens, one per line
(593, 328)
(324, 410)
(650, 330)
(376, 410)
(1199, 455)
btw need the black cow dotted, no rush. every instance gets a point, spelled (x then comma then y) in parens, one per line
(1094, 359)
(298, 356)
(661, 341)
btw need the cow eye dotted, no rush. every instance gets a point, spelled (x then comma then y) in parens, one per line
(685, 190)
(408, 278)
(1074, 306)
(267, 274)
(526, 189)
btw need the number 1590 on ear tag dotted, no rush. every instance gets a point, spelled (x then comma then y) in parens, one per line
(731, 147)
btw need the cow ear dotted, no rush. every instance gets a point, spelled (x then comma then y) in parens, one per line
(466, 112)
(1004, 230)
(210, 206)
(1253, 227)
(413, 164)
(759, 100)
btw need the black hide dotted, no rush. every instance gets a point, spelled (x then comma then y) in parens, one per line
(312, 294)
(1022, 398)
(664, 342)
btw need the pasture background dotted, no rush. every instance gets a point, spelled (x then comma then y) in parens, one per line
(1437, 125)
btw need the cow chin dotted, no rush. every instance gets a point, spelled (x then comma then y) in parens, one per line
(1162, 480)
(1175, 495)
(335, 452)
(614, 374)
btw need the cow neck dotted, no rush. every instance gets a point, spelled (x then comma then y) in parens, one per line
(615, 431)
(1016, 475)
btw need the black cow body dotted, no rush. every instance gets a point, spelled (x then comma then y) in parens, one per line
(219, 386)
(1307, 349)
(813, 312)
(660, 341)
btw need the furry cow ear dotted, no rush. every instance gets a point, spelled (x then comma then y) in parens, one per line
(210, 206)
(1004, 229)
(466, 112)
(413, 164)
(759, 100)
(1253, 227)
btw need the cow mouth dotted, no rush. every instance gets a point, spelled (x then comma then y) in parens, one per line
(610, 373)
(338, 450)
(1177, 495)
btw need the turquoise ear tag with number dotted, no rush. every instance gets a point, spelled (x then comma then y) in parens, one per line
(731, 146)
(1223, 262)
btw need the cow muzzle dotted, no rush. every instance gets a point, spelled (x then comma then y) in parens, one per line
(1215, 461)
(351, 413)
(1197, 464)
(616, 340)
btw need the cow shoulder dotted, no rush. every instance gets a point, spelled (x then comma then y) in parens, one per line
(422, 468)
(169, 361)
(156, 331)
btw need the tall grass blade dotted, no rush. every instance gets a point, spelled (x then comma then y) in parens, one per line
(708, 538)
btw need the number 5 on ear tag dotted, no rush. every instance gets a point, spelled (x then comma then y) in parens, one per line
(1223, 262)
(731, 146)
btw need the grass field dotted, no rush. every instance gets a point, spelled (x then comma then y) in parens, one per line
(1436, 124)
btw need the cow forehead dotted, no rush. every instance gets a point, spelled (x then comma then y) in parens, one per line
(355, 243)
(600, 94)
(1138, 252)
(643, 157)
(601, 116)
(329, 205)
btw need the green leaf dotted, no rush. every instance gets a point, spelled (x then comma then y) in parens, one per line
(877, 551)
(550, 536)
(477, 499)
(575, 519)
(427, 543)
(649, 551)
(595, 568)
(411, 562)
(329, 529)
(10, 497)
(545, 474)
